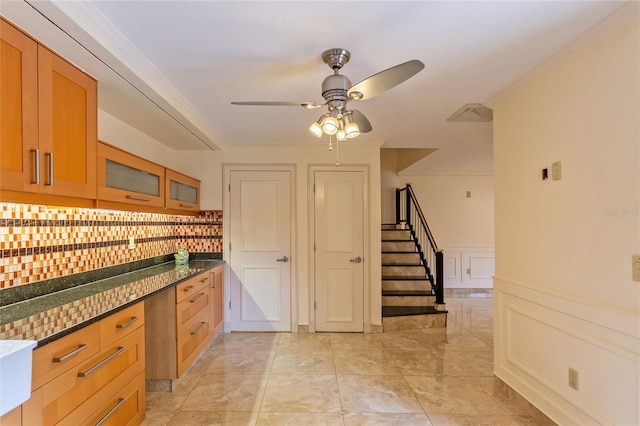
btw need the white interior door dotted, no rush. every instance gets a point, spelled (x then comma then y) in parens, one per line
(339, 250)
(260, 251)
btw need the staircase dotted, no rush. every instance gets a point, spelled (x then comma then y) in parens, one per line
(411, 294)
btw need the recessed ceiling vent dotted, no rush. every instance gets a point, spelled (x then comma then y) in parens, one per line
(472, 113)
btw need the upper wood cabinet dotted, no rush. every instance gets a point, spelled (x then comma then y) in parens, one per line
(48, 120)
(126, 178)
(182, 192)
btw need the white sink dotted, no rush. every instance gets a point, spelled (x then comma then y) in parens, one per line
(15, 373)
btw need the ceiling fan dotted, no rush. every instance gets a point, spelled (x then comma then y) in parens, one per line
(337, 91)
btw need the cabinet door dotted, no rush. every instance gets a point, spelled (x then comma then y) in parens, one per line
(182, 192)
(68, 127)
(125, 178)
(18, 109)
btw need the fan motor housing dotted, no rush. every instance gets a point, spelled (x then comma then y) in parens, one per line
(334, 88)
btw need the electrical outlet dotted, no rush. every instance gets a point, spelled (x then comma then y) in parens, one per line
(573, 378)
(132, 243)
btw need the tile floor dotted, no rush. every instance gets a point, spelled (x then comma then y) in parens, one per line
(422, 377)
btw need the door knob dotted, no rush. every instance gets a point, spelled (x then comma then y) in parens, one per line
(356, 259)
(283, 259)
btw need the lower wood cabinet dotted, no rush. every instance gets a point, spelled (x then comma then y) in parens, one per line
(95, 375)
(180, 325)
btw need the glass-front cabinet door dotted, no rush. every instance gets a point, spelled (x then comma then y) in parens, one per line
(126, 178)
(182, 192)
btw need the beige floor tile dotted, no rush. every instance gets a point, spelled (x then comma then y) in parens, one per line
(355, 341)
(299, 419)
(455, 395)
(226, 393)
(304, 341)
(157, 417)
(303, 362)
(377, 394)
(242, 360)
(372, 362)
(199, 418)
(386, 419)
(479, 420)
(301, 393)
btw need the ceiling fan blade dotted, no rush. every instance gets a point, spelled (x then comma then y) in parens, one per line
(308, 105)
(361, 121)
(385, 80)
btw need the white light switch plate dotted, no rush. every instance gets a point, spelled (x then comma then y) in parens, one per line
(635, 264)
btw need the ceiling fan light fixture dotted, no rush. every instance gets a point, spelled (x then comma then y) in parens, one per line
(351, 128)
(341, 135)
(330, 125)
(315, 129)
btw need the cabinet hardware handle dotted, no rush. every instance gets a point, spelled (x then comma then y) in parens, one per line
(127, 323)
(49, 180)
(70, 354)
(198, 328)
(186, 206)
(110, 413)
(133, 197)
(191, 287)
(204, 279)
(35, 166)
(198, 297)
(101, 363)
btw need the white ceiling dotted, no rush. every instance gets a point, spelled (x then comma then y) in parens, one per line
(172, 68)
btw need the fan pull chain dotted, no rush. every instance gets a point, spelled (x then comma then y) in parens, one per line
(337, 152)
(330, 146)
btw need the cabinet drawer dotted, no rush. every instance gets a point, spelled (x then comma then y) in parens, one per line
(104, 373)
(124, 407)
(121, 323)
(57, 357)
(187, 311)
(191, 343)
(191, 286)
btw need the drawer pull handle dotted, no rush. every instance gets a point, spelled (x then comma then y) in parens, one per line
(198, 328)
(191, 287)
(186, 206)
(70, 354)
(49, 180)
(204, 280)
(133, 197)
(198, 297)
(111, 412)
(101, 363)
(127, 323)
(35, 168)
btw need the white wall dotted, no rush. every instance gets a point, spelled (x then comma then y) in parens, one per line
(389, 181)
(207, 166)
(462, 226)
(563, 291)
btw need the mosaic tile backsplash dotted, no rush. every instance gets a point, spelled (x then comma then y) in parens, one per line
(41, 243)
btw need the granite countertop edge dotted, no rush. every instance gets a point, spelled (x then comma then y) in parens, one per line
(175, 274)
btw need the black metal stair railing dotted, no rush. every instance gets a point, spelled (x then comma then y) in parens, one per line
(408, 211)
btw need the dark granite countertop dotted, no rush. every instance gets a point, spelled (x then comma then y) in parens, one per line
(49, 317)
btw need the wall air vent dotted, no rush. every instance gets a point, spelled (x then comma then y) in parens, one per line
(472, 113)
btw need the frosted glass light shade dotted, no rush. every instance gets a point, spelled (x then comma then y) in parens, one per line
(315, 130)
(330, 125)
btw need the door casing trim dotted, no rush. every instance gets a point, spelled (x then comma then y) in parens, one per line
(227, 168)
(312, 168)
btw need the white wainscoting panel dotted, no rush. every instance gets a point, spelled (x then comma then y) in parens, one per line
(469, 267)
(540, 335)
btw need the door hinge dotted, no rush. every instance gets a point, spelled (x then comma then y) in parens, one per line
(314, 306)
(229, 187)
(314, 246)
(229, 303)
(229, 246)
